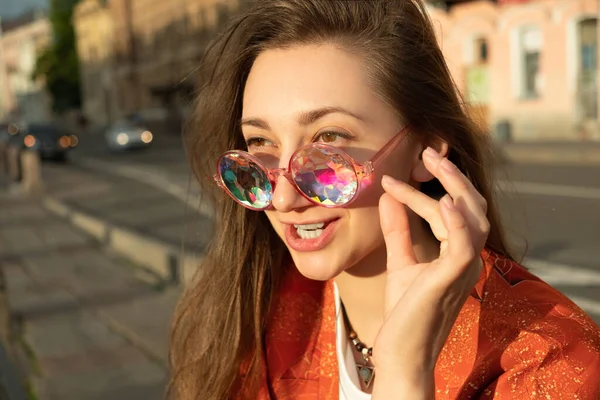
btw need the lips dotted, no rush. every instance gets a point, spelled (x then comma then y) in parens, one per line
(312, 236)
(310, 221)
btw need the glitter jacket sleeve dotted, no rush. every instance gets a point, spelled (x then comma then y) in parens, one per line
(515, 338)
(528, 342)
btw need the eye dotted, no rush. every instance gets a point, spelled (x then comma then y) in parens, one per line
(258, 142)
(331, 136)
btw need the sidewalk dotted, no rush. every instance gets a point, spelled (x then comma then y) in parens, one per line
(141, 222)
(126, 202)
(92, 325)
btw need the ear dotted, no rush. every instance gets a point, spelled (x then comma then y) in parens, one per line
(420, 173)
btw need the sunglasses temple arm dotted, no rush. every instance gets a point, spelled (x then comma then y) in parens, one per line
(217, 180)
(388, 148)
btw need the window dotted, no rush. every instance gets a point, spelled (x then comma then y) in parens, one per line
(531, 45)
(587, 88)
(532, 67)
(589, 47)
(93, 53)
(481, 51)
(477, 75)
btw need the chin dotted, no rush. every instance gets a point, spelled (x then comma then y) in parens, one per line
(320, 265)
(325, 256)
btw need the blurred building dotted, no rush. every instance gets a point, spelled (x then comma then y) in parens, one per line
(528, 68)
(137, 55)
(21, 40)
(94, 27)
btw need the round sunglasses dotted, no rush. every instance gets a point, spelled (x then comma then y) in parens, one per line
(325, 175)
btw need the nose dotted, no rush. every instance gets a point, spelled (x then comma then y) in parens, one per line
(285, 196)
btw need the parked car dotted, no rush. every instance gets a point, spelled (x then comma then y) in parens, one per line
(7, 131)
(127, 134)
(49, 140)
(4, 136)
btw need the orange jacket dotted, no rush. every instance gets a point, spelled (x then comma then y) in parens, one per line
(515, 338)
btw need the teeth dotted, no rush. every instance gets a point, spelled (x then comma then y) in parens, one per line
(310, 231)
(313, 234)
(310, 226)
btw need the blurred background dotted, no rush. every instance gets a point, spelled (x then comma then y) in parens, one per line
(101, 223)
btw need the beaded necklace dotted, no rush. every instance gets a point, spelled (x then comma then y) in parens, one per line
(366, 371)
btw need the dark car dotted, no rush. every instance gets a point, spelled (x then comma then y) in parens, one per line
(49, 140)
(7, 131)
(4, 136)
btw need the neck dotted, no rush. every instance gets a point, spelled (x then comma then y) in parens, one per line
(362, 286)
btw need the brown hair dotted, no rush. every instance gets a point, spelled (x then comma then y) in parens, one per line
(221, 318)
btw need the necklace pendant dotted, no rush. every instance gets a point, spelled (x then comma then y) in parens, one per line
(366, 374)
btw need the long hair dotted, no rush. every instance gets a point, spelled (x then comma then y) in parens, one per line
(221, 318)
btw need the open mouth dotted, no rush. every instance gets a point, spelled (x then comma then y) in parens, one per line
(311, 237)
(312, 231)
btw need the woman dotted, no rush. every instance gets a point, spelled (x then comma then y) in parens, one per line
(358, 250)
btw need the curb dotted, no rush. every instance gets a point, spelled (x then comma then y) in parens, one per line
(579, 157)
(13, 377)
(155, 177)
(167, 261)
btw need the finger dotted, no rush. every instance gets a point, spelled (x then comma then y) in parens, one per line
(453, 180)
(470, 202)
(396, 232)
(423, 205)
(459, 251)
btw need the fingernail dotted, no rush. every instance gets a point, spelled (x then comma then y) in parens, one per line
(387, 180)
(448, 202)
(449, 166)
(429, 152)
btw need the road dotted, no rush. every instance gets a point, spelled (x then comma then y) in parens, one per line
(556, 210)
(551, 212)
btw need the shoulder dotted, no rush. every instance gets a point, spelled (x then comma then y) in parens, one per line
(517, 337)
(514, 297)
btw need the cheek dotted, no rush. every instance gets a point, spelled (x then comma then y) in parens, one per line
(364, 221)
(369, 194)
(364, 211)
(364, 234)
(274, 222)
(371, 189)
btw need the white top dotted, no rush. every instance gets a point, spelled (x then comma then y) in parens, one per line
(349, 380)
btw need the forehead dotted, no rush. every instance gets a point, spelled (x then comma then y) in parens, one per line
(284, 82)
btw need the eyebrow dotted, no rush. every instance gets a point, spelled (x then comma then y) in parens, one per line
(305, 118)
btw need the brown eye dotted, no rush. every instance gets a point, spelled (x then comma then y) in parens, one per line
(328, 137)
(257, 142)
(332, 137)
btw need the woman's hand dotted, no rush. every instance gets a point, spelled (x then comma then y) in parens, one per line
(423, 299)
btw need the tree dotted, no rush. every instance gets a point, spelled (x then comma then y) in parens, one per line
(58, 64)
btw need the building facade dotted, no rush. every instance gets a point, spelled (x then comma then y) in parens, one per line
(94, 29)
(21, 41)
(146, 51)
(528, 67)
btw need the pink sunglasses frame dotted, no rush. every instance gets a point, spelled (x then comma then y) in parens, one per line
(362, 171)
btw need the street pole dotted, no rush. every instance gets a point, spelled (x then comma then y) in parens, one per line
(133, 61)
(2, 84)
(598, 71)
(3, 79)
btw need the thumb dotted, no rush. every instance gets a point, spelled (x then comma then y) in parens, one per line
(393, 219)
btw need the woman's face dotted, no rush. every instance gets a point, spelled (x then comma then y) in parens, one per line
(313, 93)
